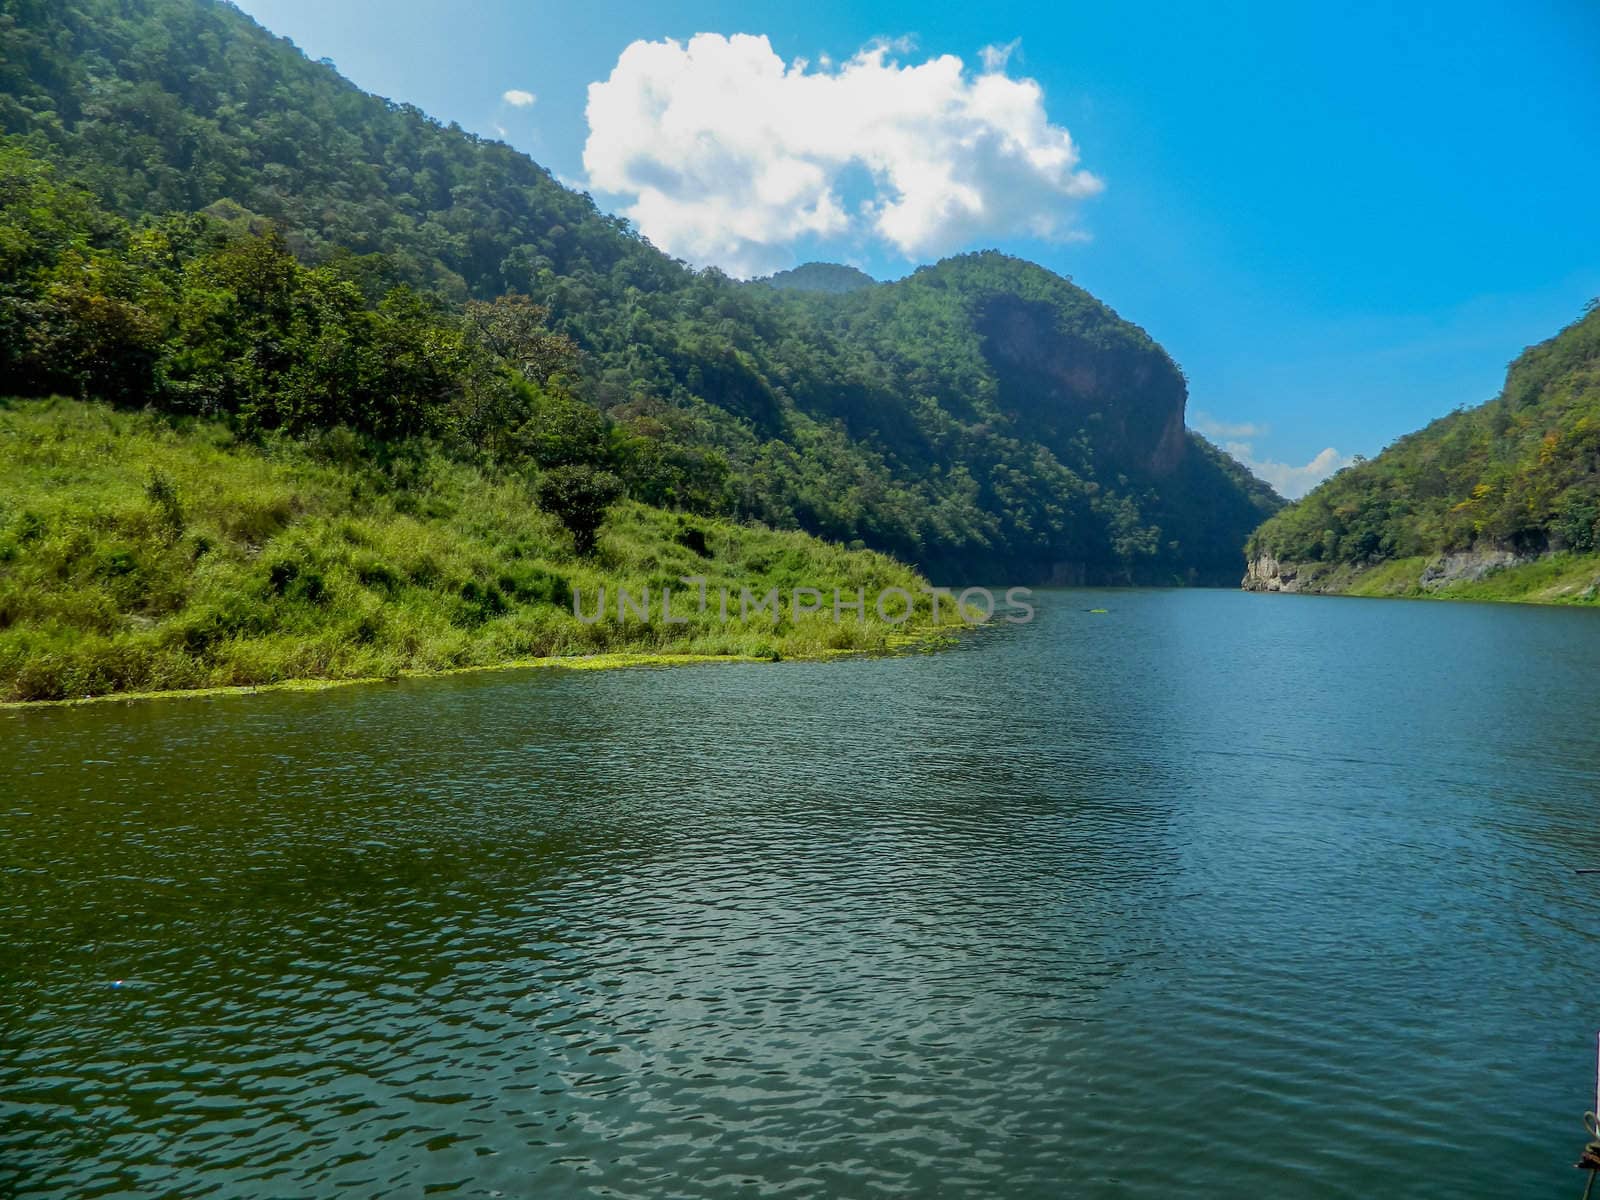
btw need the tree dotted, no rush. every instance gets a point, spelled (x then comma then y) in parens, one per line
(561, 431)
(578, 497)
(513, 329)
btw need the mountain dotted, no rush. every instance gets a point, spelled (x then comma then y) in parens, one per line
(832, 278)
(1501, 501)
(980, 418)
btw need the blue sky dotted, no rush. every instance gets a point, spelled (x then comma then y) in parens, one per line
(1342, 222)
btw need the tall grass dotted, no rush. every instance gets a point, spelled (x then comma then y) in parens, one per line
(139, 554)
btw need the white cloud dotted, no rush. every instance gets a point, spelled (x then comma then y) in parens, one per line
(1290, 481)
(723, 154)
(1208, 425)
(518, 98)
(996, 57)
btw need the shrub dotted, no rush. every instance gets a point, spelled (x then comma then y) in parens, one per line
(163, 493)
(579, 497)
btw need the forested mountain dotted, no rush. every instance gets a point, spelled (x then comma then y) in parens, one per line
(1510, 482)
(981, 417)
(833, 278)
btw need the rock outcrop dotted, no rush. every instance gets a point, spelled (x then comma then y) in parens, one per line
(1266, 574)
(1469, 565)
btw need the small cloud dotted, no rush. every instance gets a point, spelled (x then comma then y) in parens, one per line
(904, 44)
(518, 98)
(1208, 425)
(1289, 480)
(996, 57)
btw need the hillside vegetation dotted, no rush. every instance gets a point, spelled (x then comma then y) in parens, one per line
(982, 418)
(1497, 502)
(142, 554)
(830, 278)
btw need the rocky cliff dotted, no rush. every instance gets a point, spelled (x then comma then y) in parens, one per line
(1417, 576)
(1060, 382)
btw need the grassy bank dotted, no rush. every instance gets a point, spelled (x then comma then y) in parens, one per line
(138, 555)
(572, 662)
(1555, 579)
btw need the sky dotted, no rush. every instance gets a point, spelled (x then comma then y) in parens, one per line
(1342, 221)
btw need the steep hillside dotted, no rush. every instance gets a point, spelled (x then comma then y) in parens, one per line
(1499, 502)
(980, 417)
(1046, 404)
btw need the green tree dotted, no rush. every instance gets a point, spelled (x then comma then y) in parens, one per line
(579, 497)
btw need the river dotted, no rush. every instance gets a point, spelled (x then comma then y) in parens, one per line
(1206, 894)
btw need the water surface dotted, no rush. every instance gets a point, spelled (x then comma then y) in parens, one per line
(1209, 894)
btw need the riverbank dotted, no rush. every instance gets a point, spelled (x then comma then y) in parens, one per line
(1570, 579)
(576, 662)
(143, 556)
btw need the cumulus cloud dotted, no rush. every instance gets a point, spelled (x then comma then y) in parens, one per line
(725, 154)
(518, 98)
(1290, 481)
(1237, 438)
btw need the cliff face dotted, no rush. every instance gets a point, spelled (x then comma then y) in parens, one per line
(1019, 392)
(1421, 575)
(1059, 382)
(1266, 574)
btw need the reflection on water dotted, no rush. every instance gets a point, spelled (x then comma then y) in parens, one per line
(1208, 894)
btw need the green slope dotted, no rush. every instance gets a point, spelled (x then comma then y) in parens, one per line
(830, 278)
(139, 554)
(982, 417)
(1496, 502)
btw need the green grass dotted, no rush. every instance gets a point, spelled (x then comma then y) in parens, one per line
(1397, 577)
(1558, 579)
(140, 555)
(1554, 579)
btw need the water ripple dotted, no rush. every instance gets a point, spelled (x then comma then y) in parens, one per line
(1210, 895)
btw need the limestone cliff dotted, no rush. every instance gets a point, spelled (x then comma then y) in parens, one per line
(1441, 574)
(1059, 381)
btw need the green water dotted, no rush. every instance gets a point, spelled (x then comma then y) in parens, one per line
(1210, 894)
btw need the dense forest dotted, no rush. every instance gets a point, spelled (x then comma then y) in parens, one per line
(1517, 478)
(982, 417)
(829, 278)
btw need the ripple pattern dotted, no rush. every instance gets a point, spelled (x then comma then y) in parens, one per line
(1208, 895)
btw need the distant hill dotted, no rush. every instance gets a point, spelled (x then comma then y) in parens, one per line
(982, 417)
(830, 278)
(1500, 501)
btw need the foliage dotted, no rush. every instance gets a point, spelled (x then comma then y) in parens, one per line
(1521, 473)
(923, 418)
(579, 497)
(831, 278)
(199, 317)
(144, 552)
